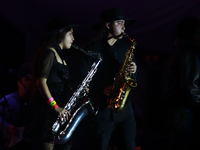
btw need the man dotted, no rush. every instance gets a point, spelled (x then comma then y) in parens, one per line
(183, 97)
(13, 111)
(111, 48)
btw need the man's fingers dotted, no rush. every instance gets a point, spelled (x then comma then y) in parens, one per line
(131, 68)
(107, 90)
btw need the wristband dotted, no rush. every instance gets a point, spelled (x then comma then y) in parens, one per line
(54, 107)
(53, 103)
(50, 100)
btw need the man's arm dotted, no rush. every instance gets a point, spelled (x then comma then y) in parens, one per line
(190, 75)
(3, 110)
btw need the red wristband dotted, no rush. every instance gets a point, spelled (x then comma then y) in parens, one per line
(54, 107)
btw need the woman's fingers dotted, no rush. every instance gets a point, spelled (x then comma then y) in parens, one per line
(64, 115)
(67, 114)
(87, 90)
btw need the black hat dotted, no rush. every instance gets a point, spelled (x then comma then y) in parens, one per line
(22, 71)
(112, 15)
(58, 24)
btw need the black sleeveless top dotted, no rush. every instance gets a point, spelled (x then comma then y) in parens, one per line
(58, 81)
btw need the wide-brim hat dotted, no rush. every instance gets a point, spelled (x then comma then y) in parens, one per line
(58, 25)
(112, 15)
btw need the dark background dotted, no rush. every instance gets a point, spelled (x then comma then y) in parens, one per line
(23, 23)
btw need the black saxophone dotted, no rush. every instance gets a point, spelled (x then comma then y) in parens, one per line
(78, 108)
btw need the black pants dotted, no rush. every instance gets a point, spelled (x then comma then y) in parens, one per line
(121, 133)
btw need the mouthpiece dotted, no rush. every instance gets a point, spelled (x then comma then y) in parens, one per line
(124, 34)
(74, 46)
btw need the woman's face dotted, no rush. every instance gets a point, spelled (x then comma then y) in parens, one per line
(68, 39)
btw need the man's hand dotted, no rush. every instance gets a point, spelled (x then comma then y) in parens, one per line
(132, 68)
(11, 130)
(107, 90)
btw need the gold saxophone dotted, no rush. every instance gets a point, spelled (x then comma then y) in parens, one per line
(123, 82)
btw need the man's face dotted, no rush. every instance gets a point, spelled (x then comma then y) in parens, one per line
(27, 82)
(25, 92)
(117, 27)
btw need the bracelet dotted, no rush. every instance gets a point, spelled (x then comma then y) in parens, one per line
(54, 107)
(50, 100)
(53, 103)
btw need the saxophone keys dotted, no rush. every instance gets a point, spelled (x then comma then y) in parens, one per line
(62, 133)
(117, 105)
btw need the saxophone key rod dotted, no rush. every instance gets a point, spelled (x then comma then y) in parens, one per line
(85, 52)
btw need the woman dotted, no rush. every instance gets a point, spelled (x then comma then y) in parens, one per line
(52, 80)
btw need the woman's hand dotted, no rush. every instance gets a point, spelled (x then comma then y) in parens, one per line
(63, 113)
(87, 88)
(44, 90)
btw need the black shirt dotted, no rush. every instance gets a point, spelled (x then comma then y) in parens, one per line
(113, 57)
